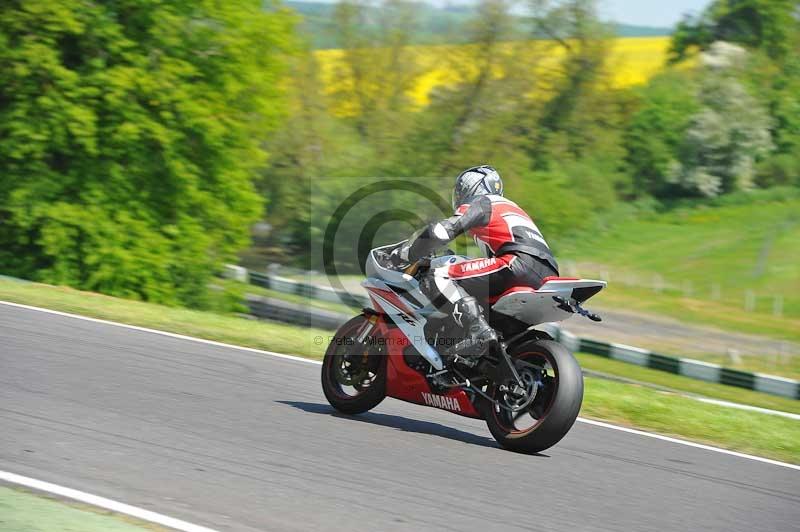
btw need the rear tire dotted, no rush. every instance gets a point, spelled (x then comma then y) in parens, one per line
(366, 398)
(563, 398)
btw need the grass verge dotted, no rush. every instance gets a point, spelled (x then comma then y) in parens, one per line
(713, 251)
(220, 327)
(627, 404)
(673, 415)
(679, 383)
(21, 510)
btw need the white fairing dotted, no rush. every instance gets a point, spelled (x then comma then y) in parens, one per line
(412, 325)
(538, 306)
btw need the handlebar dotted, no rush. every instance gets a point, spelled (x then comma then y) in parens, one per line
(412, 269)
(418, 267)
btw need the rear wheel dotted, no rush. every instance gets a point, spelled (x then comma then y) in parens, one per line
(553, 377)
(353, 374)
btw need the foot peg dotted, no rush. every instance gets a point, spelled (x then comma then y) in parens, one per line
(575, 307)
(470, 350)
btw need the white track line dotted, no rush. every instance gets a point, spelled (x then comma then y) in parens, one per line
(309, 361)
(749, 408)
(162, 333)
(687, 443)
(101, 502)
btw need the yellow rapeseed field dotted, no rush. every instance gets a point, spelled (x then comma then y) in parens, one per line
(632, 61)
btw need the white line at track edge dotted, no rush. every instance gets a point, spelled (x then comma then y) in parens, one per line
(309, 361)
(162, 333)
(102, 502)
(687, 443)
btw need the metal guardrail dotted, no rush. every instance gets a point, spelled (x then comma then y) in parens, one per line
(694, 369)
(269, 308)
(275, 309)
(322, 293)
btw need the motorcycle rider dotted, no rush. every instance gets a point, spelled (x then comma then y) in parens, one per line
(516, 254)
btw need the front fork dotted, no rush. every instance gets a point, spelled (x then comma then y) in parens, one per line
(365, 331)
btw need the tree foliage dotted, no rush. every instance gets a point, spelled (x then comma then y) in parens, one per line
(549, 135)
(769, 25)
(656, 130)
(724, 140)
(129, 136)
(568, 143)
(732, 121)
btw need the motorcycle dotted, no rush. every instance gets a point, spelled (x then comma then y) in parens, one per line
(528, 389)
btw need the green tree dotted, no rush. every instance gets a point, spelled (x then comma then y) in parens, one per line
(580, 107)
(378, 66)
(330, 138)
(728, 135)
(130, 133)
(311, 148)
(770, 30)
(664, 109)
(778, 86)
(473, 121)
(771, 25)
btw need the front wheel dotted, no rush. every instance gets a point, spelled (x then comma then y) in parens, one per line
(552, 375)
(353, 373)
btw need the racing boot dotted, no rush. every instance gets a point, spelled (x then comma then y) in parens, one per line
(480, 337)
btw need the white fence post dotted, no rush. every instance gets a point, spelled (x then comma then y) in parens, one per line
(658, 283)
(237, 273)
(688, 289)
(716, 291)
(749, 301)
(777, 306)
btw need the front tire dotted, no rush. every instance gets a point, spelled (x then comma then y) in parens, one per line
(556, 404)
(353, 374)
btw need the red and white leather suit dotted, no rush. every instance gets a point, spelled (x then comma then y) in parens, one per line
(516, 253)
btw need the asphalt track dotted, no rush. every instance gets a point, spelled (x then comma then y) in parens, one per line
(236, 440)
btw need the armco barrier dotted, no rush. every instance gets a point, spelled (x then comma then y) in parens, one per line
(322, 293)
(275, 309)
(278, 310)
(694, 369)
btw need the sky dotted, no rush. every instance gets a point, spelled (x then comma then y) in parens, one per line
(649, 12)
(658, 13)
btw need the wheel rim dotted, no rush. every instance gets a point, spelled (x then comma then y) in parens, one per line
(541, 378)
(353, 367)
